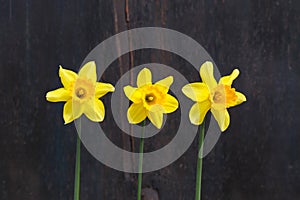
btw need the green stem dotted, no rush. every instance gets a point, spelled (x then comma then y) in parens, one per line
(199, 163)
(77, 165)
(140, 176)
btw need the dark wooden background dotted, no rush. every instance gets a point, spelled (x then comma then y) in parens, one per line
(258, 157)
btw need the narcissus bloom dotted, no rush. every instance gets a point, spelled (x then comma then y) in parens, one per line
(81, 93)
(210, 95)
(150, 100)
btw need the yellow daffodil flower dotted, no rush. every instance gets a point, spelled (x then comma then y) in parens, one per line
(81, 93)
(150, 100)
(210, 95)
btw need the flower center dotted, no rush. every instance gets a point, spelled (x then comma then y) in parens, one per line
(84, 90)
(224, 94)
(151, 95)
(80, 92)
(149, 98)
(218, 97)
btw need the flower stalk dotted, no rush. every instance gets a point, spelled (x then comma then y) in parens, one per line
(77, 166)
(140, 176)
(199, 163)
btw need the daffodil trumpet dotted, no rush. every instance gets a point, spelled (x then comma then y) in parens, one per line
(216, 97)
(81, 92)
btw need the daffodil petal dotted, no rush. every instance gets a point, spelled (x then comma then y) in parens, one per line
(67, 77)
(218, 106)
(94, 110)
(170, 104)
(144, 77)
(103, 88)
(241, 98)
(156, 108)
(77, 109)
(165, 83)
(207, 75)
(68, 112)
(227, 80)
(89, 71)
(198, 112)
(58, 95)
(133, 94)
(196, 91)
(136, 113)
(222, 117)
(156, 118)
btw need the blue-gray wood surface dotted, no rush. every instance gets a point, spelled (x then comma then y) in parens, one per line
(258, 157)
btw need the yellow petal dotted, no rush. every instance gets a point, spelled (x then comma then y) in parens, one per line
(170, 104)
(133, 94)
(89, 71)
(103, 88)
(165, 83)
(60, 94)
(94, 110)
(67, 77)
(196, 91)
(218, 106)
(241, 98)
(72, 111)
(156, 108)
(222, 117)
(207, 75)
(144, 77)
(156, 118)
(77, 109)
(68, 112)
(198, 112)
(136, 113)
(227, 80)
